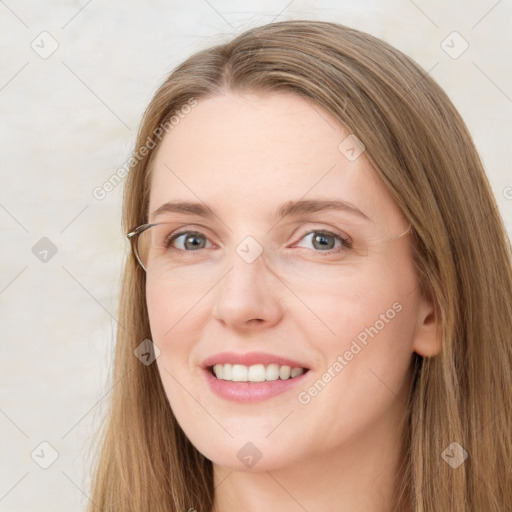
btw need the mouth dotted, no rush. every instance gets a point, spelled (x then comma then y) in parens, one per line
(252, 377)
(255, 373)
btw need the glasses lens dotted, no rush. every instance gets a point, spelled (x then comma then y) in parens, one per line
(161, 258)
(153, 246)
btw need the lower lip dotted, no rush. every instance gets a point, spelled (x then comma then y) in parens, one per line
(250, 392)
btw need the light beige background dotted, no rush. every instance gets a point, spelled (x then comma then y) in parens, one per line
(69, 121)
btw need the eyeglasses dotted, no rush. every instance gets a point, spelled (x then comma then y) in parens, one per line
(153, 247)
(139, 250)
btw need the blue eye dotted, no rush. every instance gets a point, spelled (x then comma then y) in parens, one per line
(325, 241)
(192, 240)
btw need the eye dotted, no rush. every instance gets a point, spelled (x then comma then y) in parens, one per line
(191, 240)
(322, 240)
(328, 242)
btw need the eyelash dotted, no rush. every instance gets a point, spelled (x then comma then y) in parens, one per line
(345, 242)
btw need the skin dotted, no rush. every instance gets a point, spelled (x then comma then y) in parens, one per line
(244, 156)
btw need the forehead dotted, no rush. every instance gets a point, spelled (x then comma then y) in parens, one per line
(253, 152)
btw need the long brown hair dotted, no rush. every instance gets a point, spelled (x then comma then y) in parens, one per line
(422, 151)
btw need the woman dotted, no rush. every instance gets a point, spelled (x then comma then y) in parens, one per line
(318, 297)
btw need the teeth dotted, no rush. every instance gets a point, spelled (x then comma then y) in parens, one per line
(255, 373)
(227, 372)
(239, 373)
(296, 372)
(272, 372)
(284, 372)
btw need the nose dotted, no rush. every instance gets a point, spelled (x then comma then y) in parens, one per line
(249, 295)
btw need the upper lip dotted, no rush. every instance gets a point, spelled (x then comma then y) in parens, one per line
(251, 358)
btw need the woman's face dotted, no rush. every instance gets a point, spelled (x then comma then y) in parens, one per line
(267, 282)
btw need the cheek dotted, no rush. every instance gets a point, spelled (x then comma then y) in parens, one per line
(171, 319)
(171, 305)
(369, 344)
(367, 305)
(361, 384)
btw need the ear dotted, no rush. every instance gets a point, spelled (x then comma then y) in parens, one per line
(428, 336)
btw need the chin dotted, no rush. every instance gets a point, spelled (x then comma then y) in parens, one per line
(248, 451)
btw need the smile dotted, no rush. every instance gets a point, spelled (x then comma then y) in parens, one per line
(255, 373)
(253, 376)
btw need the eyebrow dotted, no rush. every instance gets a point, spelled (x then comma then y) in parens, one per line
(290, 208)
